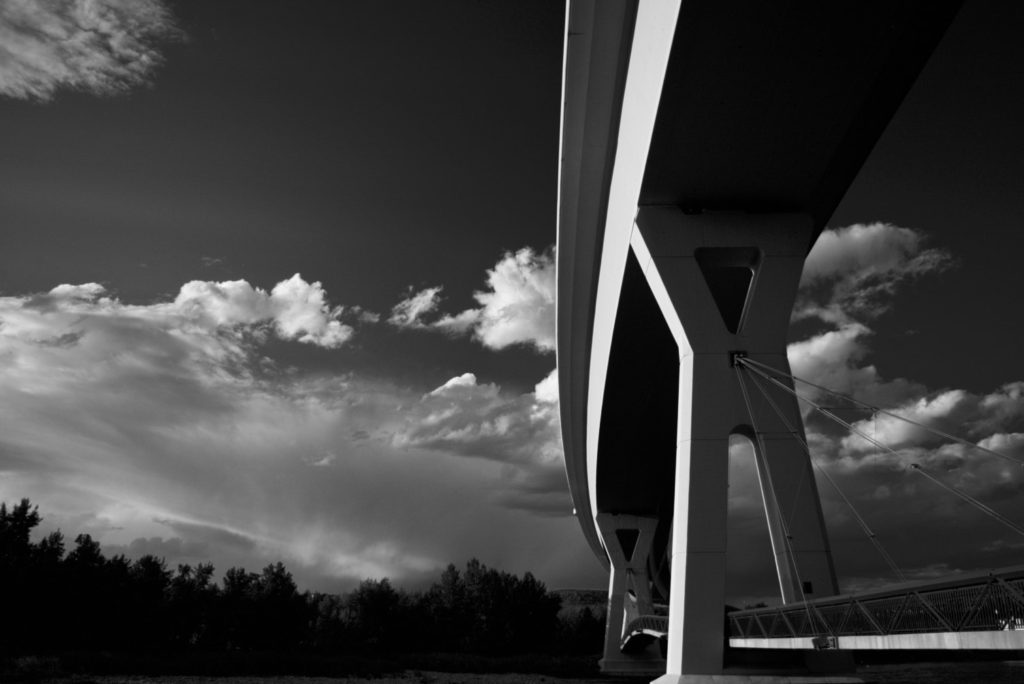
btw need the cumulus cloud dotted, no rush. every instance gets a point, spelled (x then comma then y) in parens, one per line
(214, 318)
(477, 420)
(983, 417)
(837, 358)
(85, 291)
(300, 312)
(851, 276)
(146, 424)
(852, 272)
(895, 433)
(296, 310)
(97, 46)
(518, 308)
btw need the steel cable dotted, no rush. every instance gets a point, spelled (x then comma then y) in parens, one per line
(864, 404)
(787, 537)
(914, 466)
(872, 537)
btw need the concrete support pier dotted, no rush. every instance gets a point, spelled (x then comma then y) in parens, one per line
(628, 540)
(725, 283)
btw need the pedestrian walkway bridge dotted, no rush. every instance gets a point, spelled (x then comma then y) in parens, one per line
(971, 611)
(975, 611)
(979, 611)
(639, 633)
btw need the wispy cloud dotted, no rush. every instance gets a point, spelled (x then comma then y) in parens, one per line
(173, 547)
(97, 46)
(411, 311)
(517, 308)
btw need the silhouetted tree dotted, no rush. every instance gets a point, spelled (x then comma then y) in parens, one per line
(510, 614)
(449, 612)
(86, 556)
(16, 527)
(149, 581)
(328, 622)
(581, 631)
(53, 599)
(16, 574)
(376, 614)
(238, 610)
(50, 549)
(284, 613)
(192, 605)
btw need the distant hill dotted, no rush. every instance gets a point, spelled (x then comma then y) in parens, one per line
(575, 600)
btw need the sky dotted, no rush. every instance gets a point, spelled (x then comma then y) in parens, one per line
(279, 285)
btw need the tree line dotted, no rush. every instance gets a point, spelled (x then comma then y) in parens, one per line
(57, 600)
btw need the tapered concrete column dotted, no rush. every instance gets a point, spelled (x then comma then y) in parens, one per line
(786, 481)
(725, 283)
(628, 540)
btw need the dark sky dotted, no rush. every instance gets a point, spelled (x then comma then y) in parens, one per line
(383, 149)
(371, 146)
(951, 164)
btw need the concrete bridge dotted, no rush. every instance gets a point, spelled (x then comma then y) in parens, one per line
(705, 143)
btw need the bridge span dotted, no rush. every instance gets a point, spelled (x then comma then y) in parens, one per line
(973, 611)
(976, 611)
(705, 143)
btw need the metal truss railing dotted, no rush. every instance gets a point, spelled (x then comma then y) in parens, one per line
(975, 602)
(642, 630)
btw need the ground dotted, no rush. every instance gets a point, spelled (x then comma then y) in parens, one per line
(407, 677)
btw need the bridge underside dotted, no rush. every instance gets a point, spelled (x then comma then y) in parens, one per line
(757, 107)
(702, 138)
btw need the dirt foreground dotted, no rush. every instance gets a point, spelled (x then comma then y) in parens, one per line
(408, 677)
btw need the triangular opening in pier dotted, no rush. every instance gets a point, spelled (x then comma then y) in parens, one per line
(627, 540)
(729, 273)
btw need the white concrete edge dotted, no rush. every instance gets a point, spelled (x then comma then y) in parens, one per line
(572, 376)
(560, 163)
(561, 107)
(658, 289)
(648, 61)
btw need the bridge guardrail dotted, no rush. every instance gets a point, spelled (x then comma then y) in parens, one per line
(642, 630)
(975, 602)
